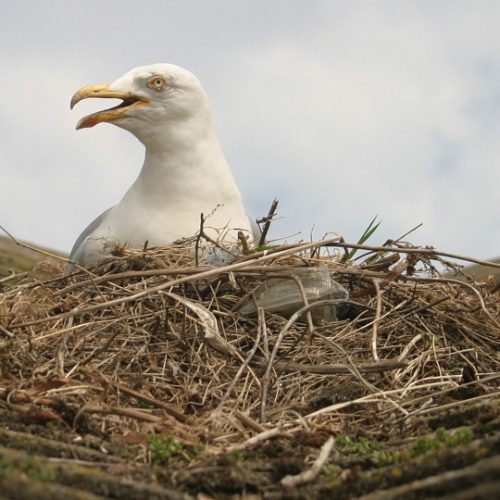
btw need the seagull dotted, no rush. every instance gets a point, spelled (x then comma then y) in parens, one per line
(184, 174)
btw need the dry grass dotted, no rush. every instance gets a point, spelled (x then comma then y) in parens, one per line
(150, 342)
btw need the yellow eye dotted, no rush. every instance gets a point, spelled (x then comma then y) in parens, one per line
(157, 83)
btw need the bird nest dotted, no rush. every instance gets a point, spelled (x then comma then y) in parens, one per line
(152, 342)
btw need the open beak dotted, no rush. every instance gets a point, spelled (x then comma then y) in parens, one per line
(130, 101)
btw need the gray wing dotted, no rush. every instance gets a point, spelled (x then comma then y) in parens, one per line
(87, 232)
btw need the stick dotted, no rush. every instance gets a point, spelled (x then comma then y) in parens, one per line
(268, 219)
(310, 474)
(376, 320)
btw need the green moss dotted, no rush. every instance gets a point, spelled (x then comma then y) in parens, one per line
(372, 450)
(440, 440)
(384, 458)
(37, 472)
(423, 445)
(356, 446)
(162, 448)
(452, 439)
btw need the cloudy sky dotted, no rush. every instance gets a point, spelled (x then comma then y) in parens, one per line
(342, 109)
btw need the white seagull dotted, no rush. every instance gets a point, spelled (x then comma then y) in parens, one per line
(184, 173)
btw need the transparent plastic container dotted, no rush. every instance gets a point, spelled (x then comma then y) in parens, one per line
(283, 295)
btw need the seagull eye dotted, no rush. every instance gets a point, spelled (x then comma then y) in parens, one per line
(157, 83)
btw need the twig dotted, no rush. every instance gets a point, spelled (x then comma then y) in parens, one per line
(268, 219)
(422, 251)
(117, 410)
(378, 310)
(263, 436)
(198, 239)
(173, 412)
(33, 248)
(332, 369)
(464, 402)
(371, 398)
(310, 474)
(13, 276)
(6, 332)
(408, 232)
(244, 243)
(249, 422)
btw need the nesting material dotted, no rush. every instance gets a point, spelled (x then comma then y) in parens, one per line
(153, 341)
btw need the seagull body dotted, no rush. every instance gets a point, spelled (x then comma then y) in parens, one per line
(184, 175)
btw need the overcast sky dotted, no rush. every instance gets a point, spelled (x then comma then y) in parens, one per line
(341, 109)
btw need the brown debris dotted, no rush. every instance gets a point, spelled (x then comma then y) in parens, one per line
(149, 343)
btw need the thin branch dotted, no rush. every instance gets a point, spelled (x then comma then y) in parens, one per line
(310, 474)
(267, 222)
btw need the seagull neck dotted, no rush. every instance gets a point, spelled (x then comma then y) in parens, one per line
(168, 171)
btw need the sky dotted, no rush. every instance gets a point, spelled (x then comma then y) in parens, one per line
(343, 110)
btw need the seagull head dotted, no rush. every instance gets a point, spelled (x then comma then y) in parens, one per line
(153, 97)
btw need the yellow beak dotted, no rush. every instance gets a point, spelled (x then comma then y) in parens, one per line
(130, 101)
